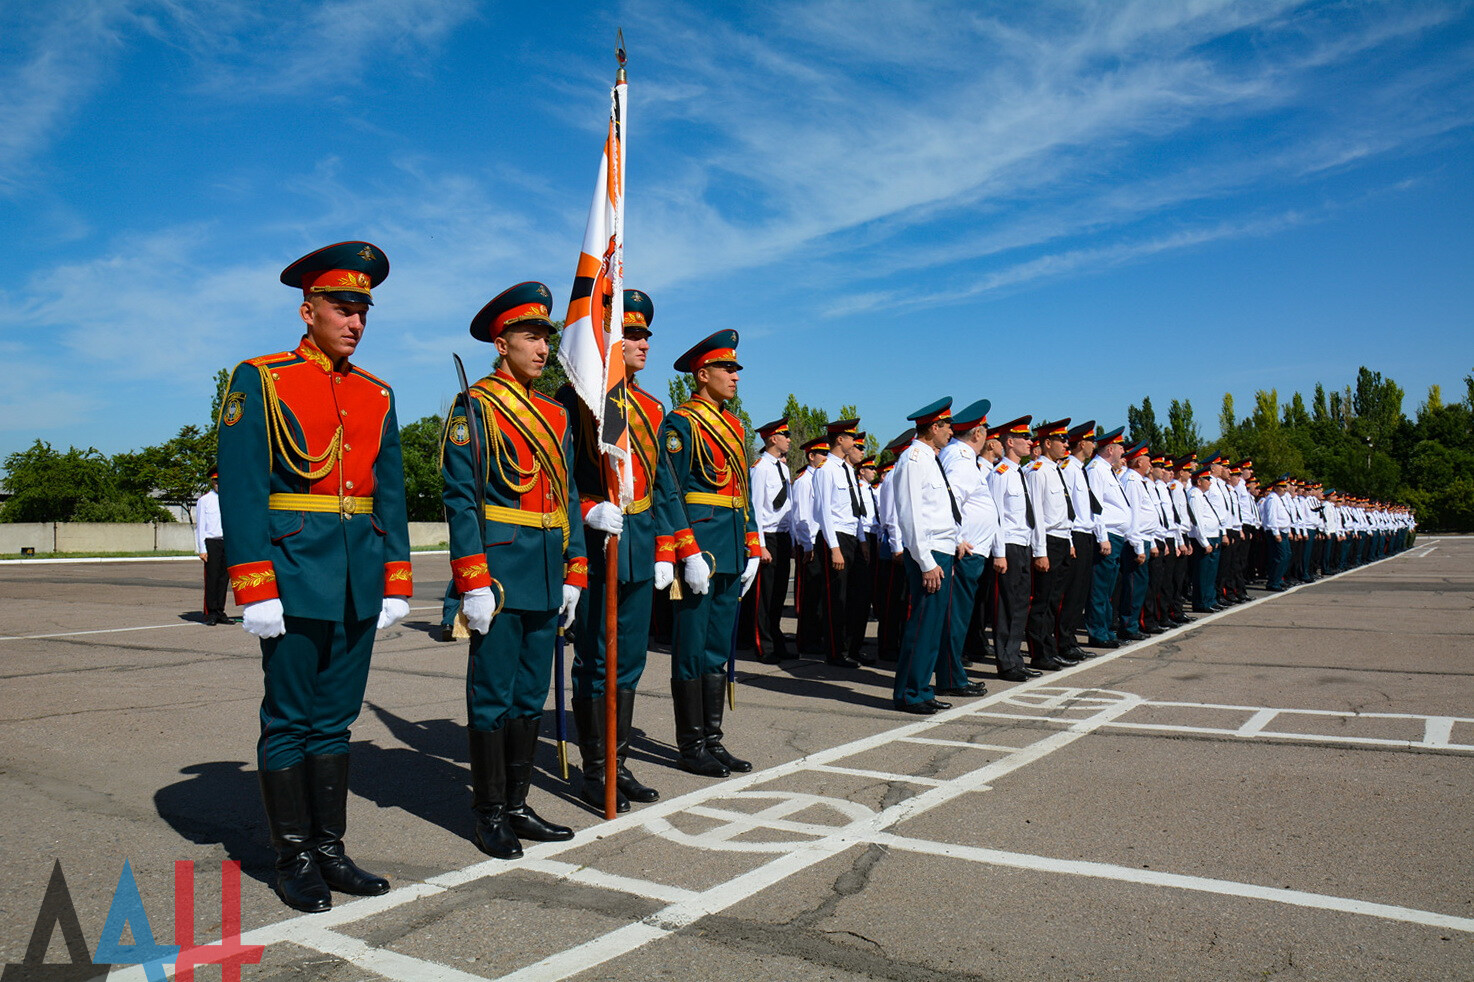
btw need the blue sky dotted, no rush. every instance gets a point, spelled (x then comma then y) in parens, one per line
(1061, 207)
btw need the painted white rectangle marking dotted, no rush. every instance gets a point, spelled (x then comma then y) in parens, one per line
(1437, 730)
(1257, 722)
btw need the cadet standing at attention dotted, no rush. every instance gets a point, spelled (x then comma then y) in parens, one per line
(647, 552)
(317, 549)
(707, 448)
(528, 538)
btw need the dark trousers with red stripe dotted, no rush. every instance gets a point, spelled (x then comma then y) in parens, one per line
(1013, 608)
(812, 614)
(215, 578)
(1077, 589)
(1048, 593)
(891, 605)
(771, 594)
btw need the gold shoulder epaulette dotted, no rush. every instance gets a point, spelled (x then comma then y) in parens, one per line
(274, 359)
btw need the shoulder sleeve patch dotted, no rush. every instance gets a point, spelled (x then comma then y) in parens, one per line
(458, 432)
(673, 442)
(233, 409)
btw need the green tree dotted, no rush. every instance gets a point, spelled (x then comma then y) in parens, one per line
(175, 472)
(77, 486)
(1142, 422)
(1182, 435)
(1226, 421)
(420, 447)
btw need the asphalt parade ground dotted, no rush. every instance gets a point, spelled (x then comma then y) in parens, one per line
(1279, 791)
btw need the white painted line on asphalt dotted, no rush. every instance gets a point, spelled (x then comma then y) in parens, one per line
(1257, 722)
(877, 775)
(1437, 730)
(609, 881)
(1128, 874)
(109, 630)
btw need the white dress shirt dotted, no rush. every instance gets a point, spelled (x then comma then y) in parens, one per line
(1046, 486)
(1086, 521)
(836, 499)
(207, 520)
(769, 477)
(1274, 516)
(923, 505)
(1206, 525)
(1010, 499)
(1115, 511)
(802, 519)
(1146, 525)
(969, 481)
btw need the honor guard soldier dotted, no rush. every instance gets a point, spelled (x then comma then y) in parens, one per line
(1052, 544)
(1012, 548)
(707, 449)
(838, 509)
(317, 548)
(977, 536)
(929, 519)
(511, 499)
(772, 503)
(647, 553)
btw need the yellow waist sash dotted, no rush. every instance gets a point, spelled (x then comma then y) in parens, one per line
(345, 506)
(531, 519)
(716, 500)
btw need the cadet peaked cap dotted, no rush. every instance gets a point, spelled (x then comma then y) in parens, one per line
(1138, 450)
(1203, 471)
(868, 462)
(1058, 428)
(719, 349)
(214, 470)
(931, 413)
(1185, 461)
(1114, 436)
(777, 426)
(1014, 427)
(843, 427)
(818, 444)
(1247, 462)
(902, 441)
(345, 271)
(526, 304)
(639, 311)
(973, 416)
(1159, 460)
(1082, 432)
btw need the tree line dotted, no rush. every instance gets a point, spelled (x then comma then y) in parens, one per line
(1356, 439)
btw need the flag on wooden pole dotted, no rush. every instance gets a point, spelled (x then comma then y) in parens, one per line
(591, 349)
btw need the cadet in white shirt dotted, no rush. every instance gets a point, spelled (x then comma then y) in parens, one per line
(927, 513)
(1146, 530)
(209, 541)
(838, 509)
(772, 507)
(1084, 534)
(1208, 533)
(890, 580)
(1275, 519)
(1012, 550)
(1052, 544)
(809, 563)
(1113, 532)
(979, 533)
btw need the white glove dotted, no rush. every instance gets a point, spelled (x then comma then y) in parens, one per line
(478, 606)
(395, 609)
(569, 610)
(748, 575)
(264, 618)
(605, 517)
(665, 575)
(696, 574)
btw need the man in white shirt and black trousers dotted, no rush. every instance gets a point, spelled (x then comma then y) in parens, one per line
(838, 509)
(209, 541)
(1011, 550)
(772, 506)
(1051, 544)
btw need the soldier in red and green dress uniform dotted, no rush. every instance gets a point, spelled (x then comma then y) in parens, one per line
(707, 449)
(529, 539)
(312, 502)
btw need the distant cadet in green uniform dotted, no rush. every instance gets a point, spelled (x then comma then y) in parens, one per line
(707, 448)
(317, 550)
(647, 552)
(529, 539)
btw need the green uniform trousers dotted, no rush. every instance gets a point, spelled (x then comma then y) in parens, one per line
(508, 674)
(315, 675)
(635, 601)
(701, 640)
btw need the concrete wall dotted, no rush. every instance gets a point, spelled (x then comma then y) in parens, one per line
(89, 537)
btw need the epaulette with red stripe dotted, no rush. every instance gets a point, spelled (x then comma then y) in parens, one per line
(274, 359)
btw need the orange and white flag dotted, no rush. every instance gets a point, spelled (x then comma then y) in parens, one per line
(592, 347)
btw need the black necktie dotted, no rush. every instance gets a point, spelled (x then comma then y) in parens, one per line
(1028, 502)
(857, 507)
(1095, 508)
(1069, 505)
(1176, 516)
(782, 491)
(951, 499)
